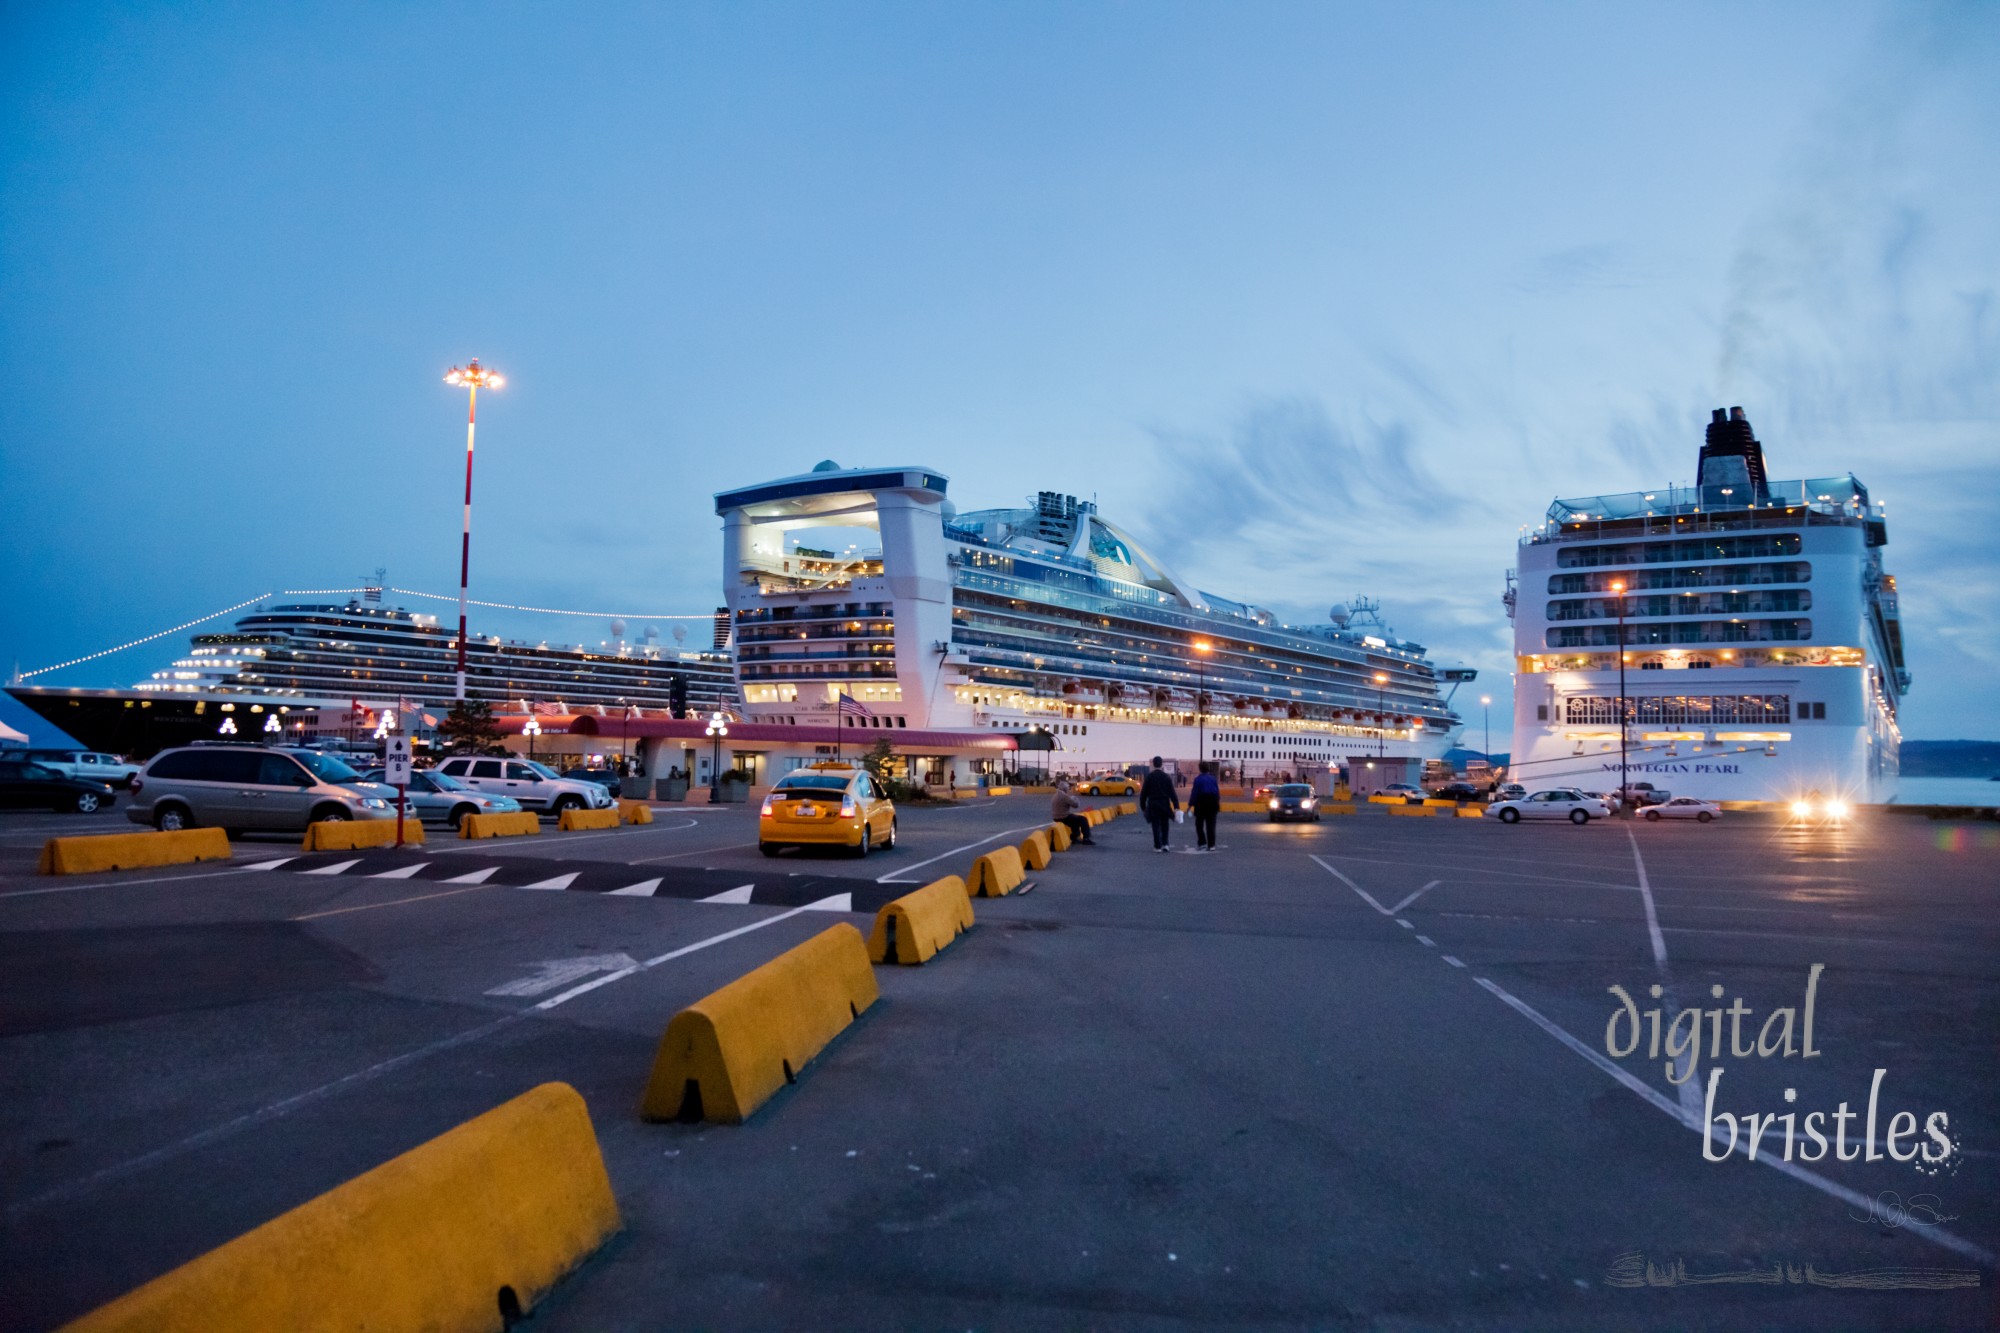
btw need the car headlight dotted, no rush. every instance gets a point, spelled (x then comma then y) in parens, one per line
(1274, 803)
(374, 803)
(1306, 804)
(1802, 809)
(1836, 809)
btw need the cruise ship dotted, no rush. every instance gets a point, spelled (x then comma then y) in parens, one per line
(1048, 621)
(1759, 641)
(309, 659)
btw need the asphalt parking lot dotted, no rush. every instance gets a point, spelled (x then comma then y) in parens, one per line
(1339, 1075)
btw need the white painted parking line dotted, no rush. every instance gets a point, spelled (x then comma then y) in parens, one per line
(896, 876)
(1404, 924)
(476, 877)
(740, 894)
(336, 868)
(1365, 897)
(1453, 961)
(1427, 941)
(699, 851)
(555, 882)
(400, 872)
(1418, 894)
(120, 883)
(681, 952)
(643, 889)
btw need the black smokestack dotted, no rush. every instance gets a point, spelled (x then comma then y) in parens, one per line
(1731, 457)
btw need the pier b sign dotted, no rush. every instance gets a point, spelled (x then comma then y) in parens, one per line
(396, 772)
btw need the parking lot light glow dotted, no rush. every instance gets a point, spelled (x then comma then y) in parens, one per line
(472, 377)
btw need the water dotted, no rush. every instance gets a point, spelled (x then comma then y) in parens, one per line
(1946, 791)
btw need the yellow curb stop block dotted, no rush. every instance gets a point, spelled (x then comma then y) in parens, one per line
(572, 820)
(726, 1054)
(1471, 812)
(997, 873)
(635, 812)
(915, 926)
(1337, 807)
(1412, 811)
(1034, 850)
(998, 791)
(130, 851)
(520, 823)
(486, 1216)
(1241, 807)
(347, 835)
(1058, 837)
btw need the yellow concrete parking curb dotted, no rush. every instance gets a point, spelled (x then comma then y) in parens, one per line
(347, 835)
(130, 851)
(520, 823)
(635, 812)
(997, 873)
(1242, 807)
(1413, 811)
(485, 1218)
(726, 1054)
(999, 791)
(1034, 849)
(1471, 812)
(914, 927)
(1058, 837)
(573, 820)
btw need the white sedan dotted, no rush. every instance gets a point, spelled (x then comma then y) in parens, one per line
(1559, 803)
(1684, 807)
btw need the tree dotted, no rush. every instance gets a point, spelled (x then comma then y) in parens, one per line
(469, 727)
(877, 761)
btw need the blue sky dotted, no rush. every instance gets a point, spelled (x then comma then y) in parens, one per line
(1318, 299)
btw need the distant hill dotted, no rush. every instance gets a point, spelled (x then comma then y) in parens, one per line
(1951, 759)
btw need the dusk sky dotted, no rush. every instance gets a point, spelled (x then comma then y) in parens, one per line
(1318, 299)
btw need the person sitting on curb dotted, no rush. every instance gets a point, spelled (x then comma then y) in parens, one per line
(1065, 808)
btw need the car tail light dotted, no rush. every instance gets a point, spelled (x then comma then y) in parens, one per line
(137, 783)
(847, 807)
(769, 803)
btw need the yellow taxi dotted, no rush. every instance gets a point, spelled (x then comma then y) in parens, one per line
(826, 805)
(1108, 785)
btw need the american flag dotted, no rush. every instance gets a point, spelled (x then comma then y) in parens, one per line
(850, 707)
(551, 710)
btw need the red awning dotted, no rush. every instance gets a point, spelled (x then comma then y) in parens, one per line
(695, 729)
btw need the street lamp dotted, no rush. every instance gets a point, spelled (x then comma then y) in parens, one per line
(624, 737)
(1486, 715)
(717, 729)
(1202, 648)
(1624, 771)
(531, 729)
(1381, 711)
(474, 378)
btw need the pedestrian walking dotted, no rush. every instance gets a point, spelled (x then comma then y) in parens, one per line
(1158, 802)
(1065, 809)
(1205, 797)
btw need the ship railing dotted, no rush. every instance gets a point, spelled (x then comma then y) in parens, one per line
(1710, 508)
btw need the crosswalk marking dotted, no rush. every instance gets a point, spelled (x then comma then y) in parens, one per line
(476, 877)
(336, 868)
(558, 882)
(740, 894)
(839, 902)
(643, 889)
(272, 865)
(402, 872)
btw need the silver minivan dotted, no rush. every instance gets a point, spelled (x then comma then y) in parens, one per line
(249, 789)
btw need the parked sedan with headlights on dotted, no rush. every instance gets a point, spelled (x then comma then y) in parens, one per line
(1556, 803)
(439, 798)
(1292, 800)
(1684, 807)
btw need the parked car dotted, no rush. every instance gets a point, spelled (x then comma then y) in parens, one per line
(1555, 803)
(1643, 794)
(1684, 807)
(1110, 784)
(1812, 808)
(603, 777)
(1457, 791)
(840, 807)
(39, 787)
(1610, 800)
(439, 798)
(249, 788)
(536, 786)
(1293, 800)
(114, 770)
(1411, 795)
(1510, 791)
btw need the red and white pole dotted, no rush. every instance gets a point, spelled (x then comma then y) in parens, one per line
(465, 545)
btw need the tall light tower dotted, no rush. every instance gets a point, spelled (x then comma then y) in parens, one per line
(474, 378)
(1381, 711)
(1624, 761)
(1202, 648)
(1486, 714)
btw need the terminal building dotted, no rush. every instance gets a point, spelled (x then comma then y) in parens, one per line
(1737, 639)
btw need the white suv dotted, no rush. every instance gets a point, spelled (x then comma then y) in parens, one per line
(535, 786)
(111, 769)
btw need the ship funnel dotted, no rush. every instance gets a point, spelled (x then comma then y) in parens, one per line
(1732, 460)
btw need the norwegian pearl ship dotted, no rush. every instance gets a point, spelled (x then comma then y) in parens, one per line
(1046, 620)
(1762, 648)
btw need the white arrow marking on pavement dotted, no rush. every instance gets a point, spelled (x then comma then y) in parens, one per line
(558, 882)
(739, 894)
(401, 872)
(561, 971)
(643, 889)
(839, 902)
(476, 877)
(336, 867)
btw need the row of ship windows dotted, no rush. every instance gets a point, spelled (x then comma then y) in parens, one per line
(1708, 631)
(1294, 740)
(1683, 604)
(1666, 552)
(1697, 576)
(824, 611)
(835, 668)
(1676, 709)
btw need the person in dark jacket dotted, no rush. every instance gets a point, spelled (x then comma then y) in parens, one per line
(1205, 799)
(1158, 802)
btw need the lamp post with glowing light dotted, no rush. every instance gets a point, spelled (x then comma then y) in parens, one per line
(717, 729)
(474, 378)
(1381, 712)
(531, 729)
(1624, 771)
(1486, 720)
(1202, 648)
